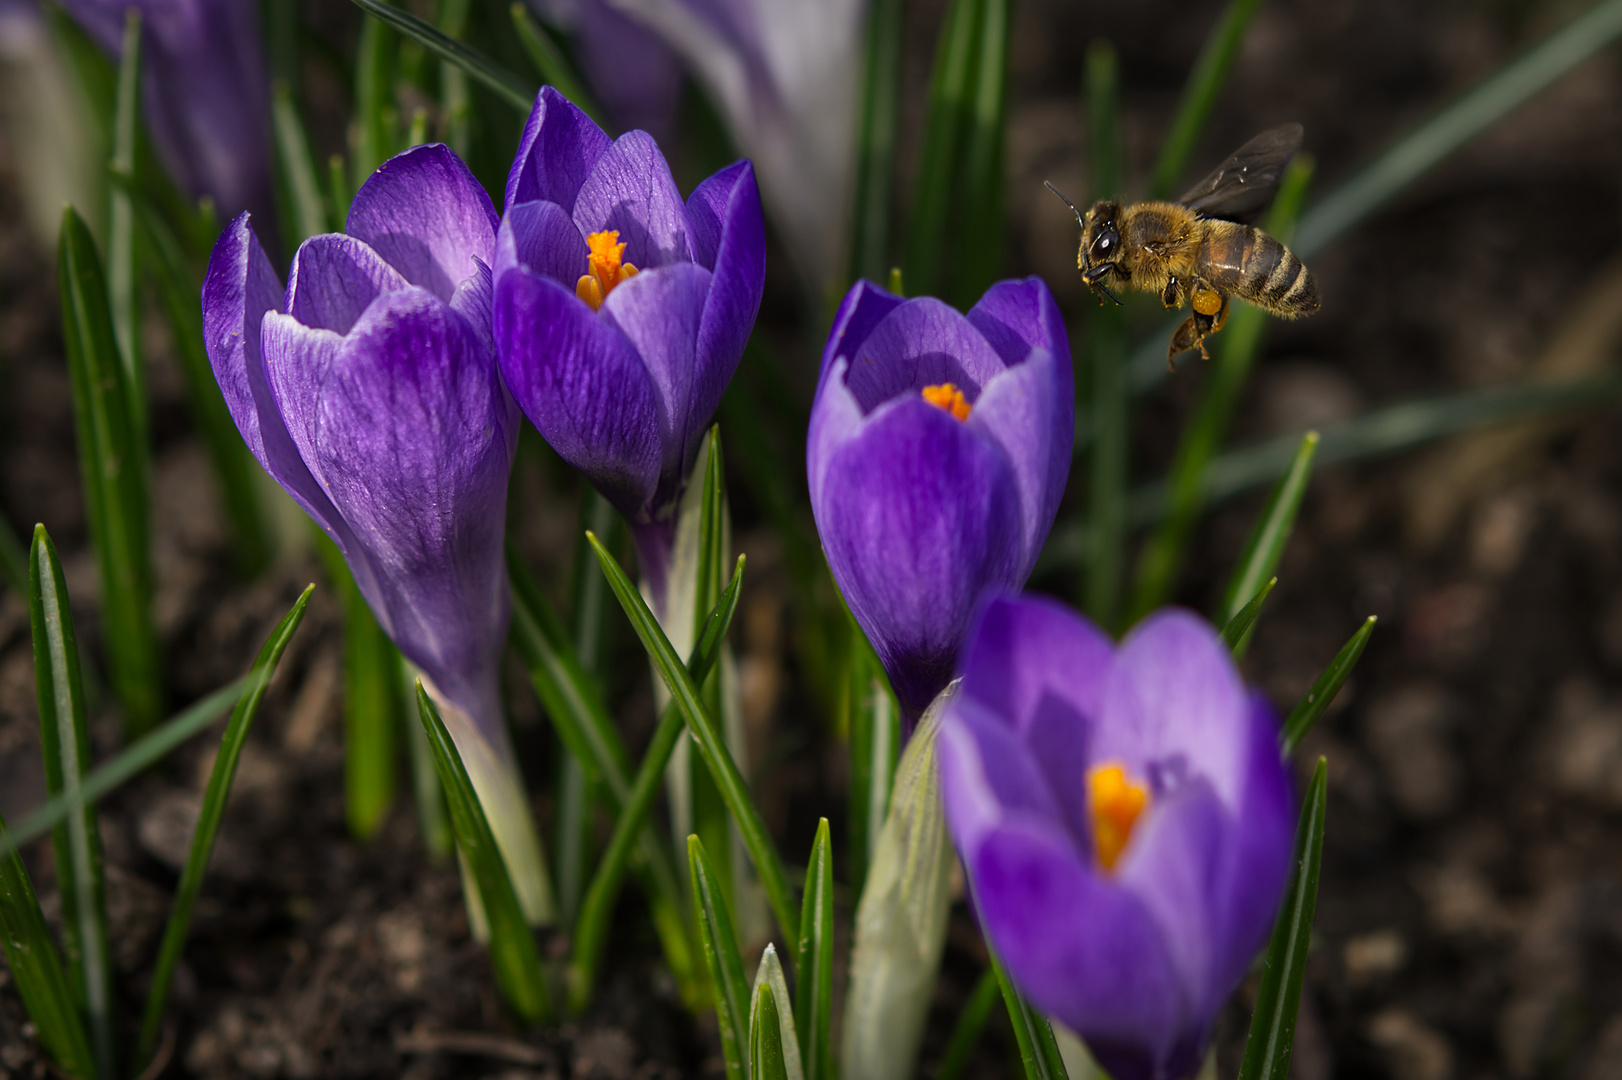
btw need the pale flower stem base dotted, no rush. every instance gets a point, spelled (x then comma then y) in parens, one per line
(901, 921)
(501, 794)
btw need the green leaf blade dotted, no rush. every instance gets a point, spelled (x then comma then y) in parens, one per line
(1272, 1023)
(1324, 688)
(208, 820)
(37, 969)
(553, 67)
(702, 726)
(875, 143)
(507, 86)
(1037, 1051)
(978, 259)
(112, 464)
(949, 106)
(1200, 94)
(814, 960)
(1265, 548)
(1236, 633)
(512, 945)
(65, 746)
(971, 1021)
(722, 959)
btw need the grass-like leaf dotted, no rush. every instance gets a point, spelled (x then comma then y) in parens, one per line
(1324, 688)
(507, 86)
(977, 262)
(875, 142)
(453, 88)
(765, 1037)
(950, 102)
(774, 1049)
(875, 746)
(701, 724)
(814, 960)
(299, 179)
(1038, 1053)
(1200, 95)
(433, 816)
(971, 1021)
(76, 842)
(376, 117)
(512, 945)
(1265, 548)
(121, 273)
(553, 67)
(1161, 561)
(1272, 1024)
(632, 828)
(721, 957)
(135, 759)
(208, 821)
(1109, 401)
(1236, 632)
(37, 969)
(111, 464)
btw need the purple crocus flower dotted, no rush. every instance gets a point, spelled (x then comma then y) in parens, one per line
(938, 450)
(1125, 821)
(368, 389)
(621, 312)
(205, 88)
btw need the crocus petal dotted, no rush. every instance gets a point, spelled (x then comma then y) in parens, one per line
(917, 490)
(993, 771)
(1175, 697)
(335, 278)
(1246, 900)
(659, 313)
(922, 342)
(582, 385)
(427, 216)
(298, 358)
(542, 237)
(1042, 668)
(630, 190)
(1019, 317)
(1030, 411)
(836, 417)
(1084, 950)
(736, 253)
(415, 443)
(240, 294)
(863, 307)
(560, 146)
(472, 300)
(1173, 865)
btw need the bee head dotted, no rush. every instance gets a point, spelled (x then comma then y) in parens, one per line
(1100, 247)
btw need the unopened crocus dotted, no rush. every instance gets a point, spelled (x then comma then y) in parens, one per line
(369, 390)
(938, 451)
(205, 89)
(620, 311)
(1125, 821)
(783, 74)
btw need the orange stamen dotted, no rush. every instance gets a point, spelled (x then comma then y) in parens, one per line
(1116, 804)
(605, 268)
(948, 397)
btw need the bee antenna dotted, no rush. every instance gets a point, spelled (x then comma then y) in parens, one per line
(1067, 202)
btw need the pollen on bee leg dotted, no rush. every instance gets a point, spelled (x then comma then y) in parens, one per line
(1115, 802)
(948, 398)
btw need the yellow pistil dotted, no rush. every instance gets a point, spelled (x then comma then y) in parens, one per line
(948, 397)
(1116, 804)
(606, 269)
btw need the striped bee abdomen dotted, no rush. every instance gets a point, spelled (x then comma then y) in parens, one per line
(1272, 278)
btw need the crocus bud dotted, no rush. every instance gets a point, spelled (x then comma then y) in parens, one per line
(370, 392)
(1124, 819)
(205, 91)
(621, 312)
(938, 450)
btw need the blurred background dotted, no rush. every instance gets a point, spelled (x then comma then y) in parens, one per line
(1470, 912)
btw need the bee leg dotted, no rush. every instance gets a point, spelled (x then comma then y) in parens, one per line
(1172, 295)
(1186, 337)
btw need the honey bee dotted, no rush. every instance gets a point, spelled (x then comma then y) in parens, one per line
(1200, 248)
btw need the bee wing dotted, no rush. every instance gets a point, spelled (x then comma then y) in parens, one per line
(1242, 185)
